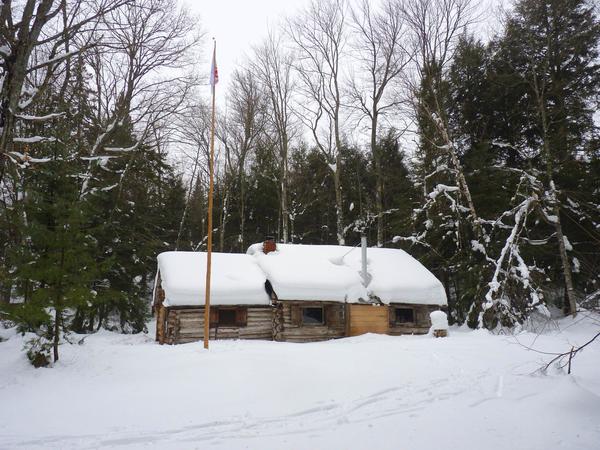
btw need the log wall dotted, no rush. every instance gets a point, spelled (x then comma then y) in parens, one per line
(289, 326)
(183, 324)
(422, 320)
(283, 322)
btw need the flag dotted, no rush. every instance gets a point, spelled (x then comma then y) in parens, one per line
(214, 72)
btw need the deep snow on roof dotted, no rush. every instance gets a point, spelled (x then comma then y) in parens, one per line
(310, 272)
(236, 279)
(332, 273)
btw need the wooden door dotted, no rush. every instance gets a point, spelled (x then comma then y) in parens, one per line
(367, 319)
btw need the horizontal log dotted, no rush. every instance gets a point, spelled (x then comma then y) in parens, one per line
(304, 335)
(187, 340)
(201, 311)
(191, 323)
(222, 332)
(363, 315)
(308, 340)
(201, 308)
(190, 333)
(265, 336)
(227, 336)
(188, 337)
(250, 323)
(260, 317)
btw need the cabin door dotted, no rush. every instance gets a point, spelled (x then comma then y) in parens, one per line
(367, 319)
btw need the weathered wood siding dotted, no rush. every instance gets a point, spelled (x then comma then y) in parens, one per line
(367, 319)
(160, 311)
(283, 322)
(422, 321)
(289, 326)
(184, 324)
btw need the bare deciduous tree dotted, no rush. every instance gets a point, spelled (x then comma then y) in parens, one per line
(192, 136)
(140, 71)
(273, 65)
(382, 58)
(34, 46)
(240, 131)
(320, 34)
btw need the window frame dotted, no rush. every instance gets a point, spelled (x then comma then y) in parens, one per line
(230, 311)
(240, 317)
(408, 308)
(320, 324)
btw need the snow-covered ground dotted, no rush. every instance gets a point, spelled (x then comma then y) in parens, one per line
(472, 390)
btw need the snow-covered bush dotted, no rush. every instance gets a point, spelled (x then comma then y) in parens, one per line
(38, 351)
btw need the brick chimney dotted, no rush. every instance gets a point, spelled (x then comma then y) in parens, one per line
(269, 245)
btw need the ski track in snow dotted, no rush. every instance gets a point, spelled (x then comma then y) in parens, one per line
(426, 390)
(387, 402)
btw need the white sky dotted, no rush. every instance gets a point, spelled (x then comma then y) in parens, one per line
(237, 25)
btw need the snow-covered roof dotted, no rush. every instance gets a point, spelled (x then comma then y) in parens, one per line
(309, 272)
(332, 273)
(236, 279)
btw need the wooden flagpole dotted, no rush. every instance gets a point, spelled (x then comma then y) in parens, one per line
(210, 201)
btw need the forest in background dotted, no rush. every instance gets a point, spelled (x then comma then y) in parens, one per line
(480, 158)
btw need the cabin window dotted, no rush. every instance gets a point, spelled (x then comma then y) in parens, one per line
(227, 318)
(404, 315)
(312, 316)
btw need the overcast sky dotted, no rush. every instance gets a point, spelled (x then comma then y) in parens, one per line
(237, 25)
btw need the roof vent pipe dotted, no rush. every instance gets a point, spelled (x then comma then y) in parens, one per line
(363, 248)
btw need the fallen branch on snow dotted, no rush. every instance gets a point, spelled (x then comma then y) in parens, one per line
(561, 357)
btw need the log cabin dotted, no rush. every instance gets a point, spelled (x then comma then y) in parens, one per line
(307, 290)
(240, 305)
(295, 293)
(328, 291)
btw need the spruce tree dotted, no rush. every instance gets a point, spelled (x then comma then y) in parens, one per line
(551, 48)
(56, 267)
